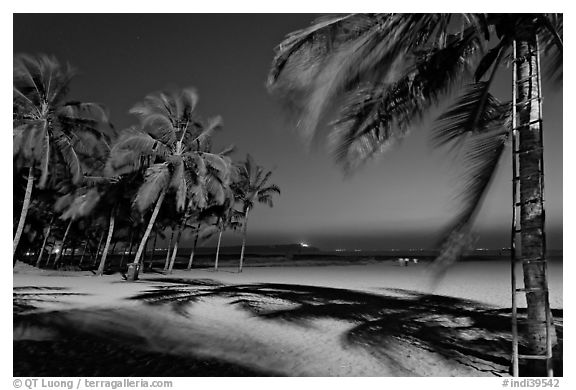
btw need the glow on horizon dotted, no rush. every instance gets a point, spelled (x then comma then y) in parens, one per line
(304, 245)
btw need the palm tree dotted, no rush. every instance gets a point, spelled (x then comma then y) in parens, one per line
(252, 186)
(173, 140)
(47, 127)
(196, 236)
(381, 73)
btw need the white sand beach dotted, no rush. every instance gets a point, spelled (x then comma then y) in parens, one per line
(287, 320)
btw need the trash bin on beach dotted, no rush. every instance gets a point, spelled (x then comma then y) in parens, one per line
(132, 273)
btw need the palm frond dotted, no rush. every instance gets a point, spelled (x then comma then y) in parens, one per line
(68, 153)
(83, 203)
(552, 46)
(480, 23)
(266, 199)
(377, 115)
(75, 109)
(373, 56)
(206, 132)
(490, 60)
(27, 138)
(475, 111)
(272, 189)
(483, 154)
(93, 181)
(227, 151)
(261, 180)
(189, 98)
(322, 30)
(484, 147)
(197, 196)
(215, 189)
(155, 181)
(218, 162)
(19, 137)
(25, 103)
(126, 154)
(40, 79)
(199, 163)
(160, 127)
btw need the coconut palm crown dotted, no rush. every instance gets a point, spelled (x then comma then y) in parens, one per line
(252, 185)
(48, 128)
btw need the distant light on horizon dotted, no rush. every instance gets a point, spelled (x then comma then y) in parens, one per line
(304, 245)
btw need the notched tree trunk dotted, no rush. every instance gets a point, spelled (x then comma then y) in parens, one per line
(191, 260)
(531, 196)
(245, 231)
(148, 230)
(106, 246)
(218, 249)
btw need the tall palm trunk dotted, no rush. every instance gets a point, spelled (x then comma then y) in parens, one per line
(113, 251)
(175, 250)
(129, 250)
(24, 212)
(61, 251)
(245, 229)
(44, 242)
(50, 253)
(167, 261)
(218, 248)
(154, 246)
(193, 248)
(98, 248)
(149, 229)
(108, 239)
(83, 252)
(143, 268)
(531, 195)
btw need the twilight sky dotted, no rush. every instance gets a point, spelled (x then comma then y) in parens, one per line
(403, 200)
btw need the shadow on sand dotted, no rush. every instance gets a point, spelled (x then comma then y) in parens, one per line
(89, 343)
(465, 331)
(462, 331)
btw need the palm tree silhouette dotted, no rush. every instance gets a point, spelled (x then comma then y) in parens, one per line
(382, 72)
(219, 216)
(251, 187)
(172, 139)
(48, 128)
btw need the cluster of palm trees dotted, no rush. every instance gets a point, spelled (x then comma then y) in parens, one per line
(83, 185)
